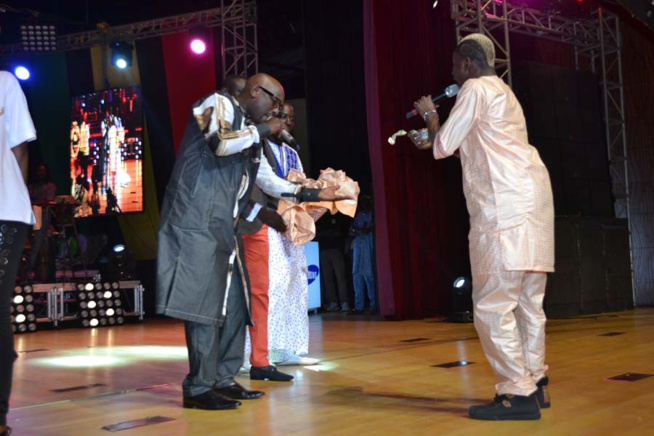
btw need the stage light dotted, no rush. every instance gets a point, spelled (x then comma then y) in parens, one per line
(100, 306)
(121, 54)
(22, 73)
(23, 318)
(198, 46)
(120, 265)
(89, 286)
(38, 37)
(462, 300)
(198, 40)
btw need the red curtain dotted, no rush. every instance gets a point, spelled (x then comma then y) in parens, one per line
(421, 222)
(189, 77)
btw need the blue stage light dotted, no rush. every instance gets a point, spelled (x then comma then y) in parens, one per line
(22, 73)
(121, 54)
(121, 63)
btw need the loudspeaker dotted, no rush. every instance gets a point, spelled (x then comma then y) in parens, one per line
(593, 267)
(563, 112)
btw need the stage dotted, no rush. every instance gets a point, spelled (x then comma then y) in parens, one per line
(376, 378)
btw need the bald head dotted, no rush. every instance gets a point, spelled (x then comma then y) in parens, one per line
(262, 97)
(234, 85)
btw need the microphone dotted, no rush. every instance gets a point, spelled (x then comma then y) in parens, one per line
(450, 91)
(289, 140)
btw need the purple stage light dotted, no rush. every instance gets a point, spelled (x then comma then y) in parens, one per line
(198, 46)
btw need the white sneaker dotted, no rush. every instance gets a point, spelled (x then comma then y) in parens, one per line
(297, 360)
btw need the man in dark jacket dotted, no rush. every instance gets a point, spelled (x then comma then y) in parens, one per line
(201, 276)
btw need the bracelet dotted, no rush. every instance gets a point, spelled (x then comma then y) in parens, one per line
(430, 111)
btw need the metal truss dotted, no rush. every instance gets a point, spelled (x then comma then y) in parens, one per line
(597, 43)
(603, 57)
(239, 38)
(236, 18)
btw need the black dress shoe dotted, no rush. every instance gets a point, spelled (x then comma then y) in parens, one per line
(238, 392)
(210, 400)
(543, 394)
(508, 407)
(268, 373)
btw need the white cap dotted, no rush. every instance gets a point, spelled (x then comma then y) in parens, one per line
(486, 45)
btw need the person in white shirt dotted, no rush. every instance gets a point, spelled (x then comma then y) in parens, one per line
(509, 198)
(16, 130)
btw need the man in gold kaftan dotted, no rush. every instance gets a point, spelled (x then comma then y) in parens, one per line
(509, 198)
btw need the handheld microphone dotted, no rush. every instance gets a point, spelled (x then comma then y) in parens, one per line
(450, 91)
(289, 140)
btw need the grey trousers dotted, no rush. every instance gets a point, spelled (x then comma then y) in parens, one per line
(215, 353)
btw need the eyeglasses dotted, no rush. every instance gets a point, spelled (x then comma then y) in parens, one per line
(278, 103)
(284, 117)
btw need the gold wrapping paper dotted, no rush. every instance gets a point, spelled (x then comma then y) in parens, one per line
(300, 218)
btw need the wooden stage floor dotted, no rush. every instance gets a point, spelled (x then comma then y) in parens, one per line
(376, 378)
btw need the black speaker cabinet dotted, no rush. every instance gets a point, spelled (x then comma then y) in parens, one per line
(593, 267)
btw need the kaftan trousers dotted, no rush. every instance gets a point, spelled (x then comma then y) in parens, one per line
(215, 353)
(510, 321)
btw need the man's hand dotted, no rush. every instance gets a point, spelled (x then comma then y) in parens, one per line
(275, 124)
(423, 105)
(329, 194)
(420, 139)
(272, 219)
